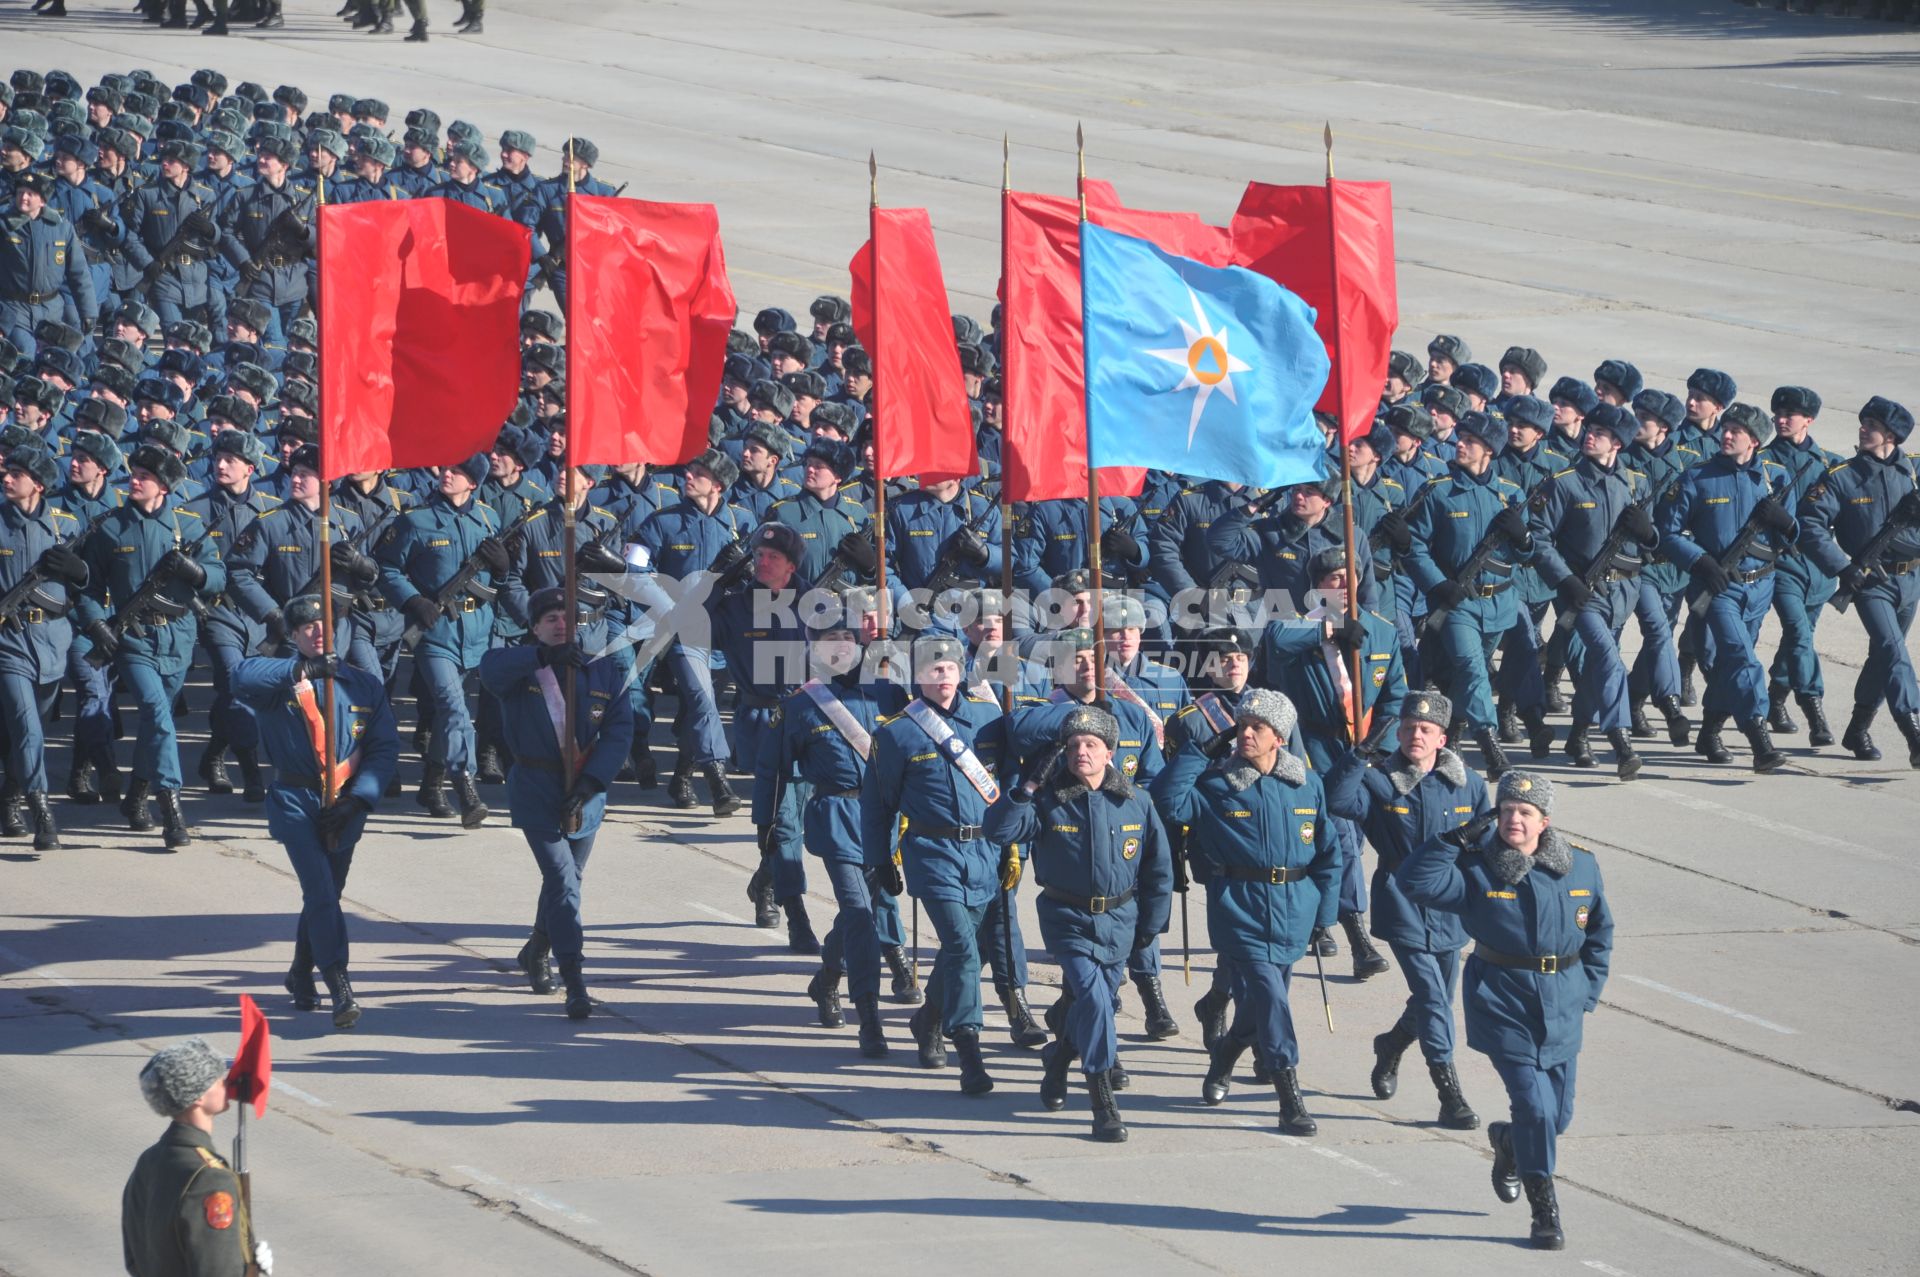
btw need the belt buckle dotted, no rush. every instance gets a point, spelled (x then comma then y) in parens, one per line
(1277, 877)
(1097, 904)
(466, 603)
(36, 616)
(1550, 965)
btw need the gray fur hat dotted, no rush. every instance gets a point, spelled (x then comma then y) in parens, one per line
(1428, 707)
(1271, 708)
(1090, 720)
(1526, 787)
(179, 1074)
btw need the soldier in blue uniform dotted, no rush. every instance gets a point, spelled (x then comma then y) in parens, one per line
(763, 451)
(1800, 589)
(1655, 674)
(510, 491)
(558, 798)
(1050, 539)
(36, 537)
(320, 818)
(269, 237)
(934, 765)
(1259, 836)
(426, 549)
(88, 209)
(1712, 504)
(151, 536)
(377, 505)
(1179, 558)
(1542, 927)
(821, 514)
(1280, 547)
(1101, 861)
(42, 263)
(1421, 790)
(581, 155)
(466, 161)
(1849, 507)
(88, 495)
(417, 173)
(154, 216)
(940, 534)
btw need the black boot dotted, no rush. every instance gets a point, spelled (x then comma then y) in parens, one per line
(1455, 1113)
(1294, 1118)
(824, 989)
(1388, 1047)
(299, 981)
(1539, 735)
(134, 806)
(213, 767)
(490, 770)
(1638, 724)
(725, 801)
(1211, 1010)
(1765, 757)
(1326, 946)
(1909, 725)
(474, 26)
(766, 909)
(346, 1011)
(1024, 1029)
(80, 785)
(1707, 744)
(645, 773)
(1679, 731)
(1626, 763)
(253, 788)
(173, 823)
(46, 834)
(473, 812)
(1579, 751)
(680, 787)
(1107, 1126)
(418, 35)
(1777, 717)
(273, 17)
(1687, 696)
(532, 960)
(925, 1026)
(1367, 962)
(1856, 738)
(1547, 1234)
(1118, 1077)
(13, 813)
(1055, 1062)
(1494, 757)
(1819, 731)
(800, 937)
(974, 1079)
(1153, 1005)
(1509, 727)
(873, 1039)
(433, 792)
(1219, 1079)
(579, 1005)
(216, 27)
(905, 988)
(1506, 1172)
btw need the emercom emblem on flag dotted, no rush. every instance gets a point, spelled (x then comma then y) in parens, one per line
(1208, 363)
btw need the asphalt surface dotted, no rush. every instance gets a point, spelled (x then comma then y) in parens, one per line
(1676, 184)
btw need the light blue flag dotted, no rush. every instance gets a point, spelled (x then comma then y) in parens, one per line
(1204, 371)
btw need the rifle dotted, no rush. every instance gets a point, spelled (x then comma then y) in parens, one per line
(28, 591)
(1482, 555)
(126, 619)
(1743, 542)
(463, 579)
(1867, 561)
(188, 241)
(947, 573)
(285, 238)
(1377, 539)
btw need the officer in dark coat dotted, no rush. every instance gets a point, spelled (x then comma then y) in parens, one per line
(558, 798)
(41, 259)
(1101, 861)
(1542, 927)
(182, 1213)
(1421, 790)
(320, 818)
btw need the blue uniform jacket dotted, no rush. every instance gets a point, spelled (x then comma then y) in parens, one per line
(920, 524)
(910, 778)
(1662, 467)
(1279, 547)
(121, 550)
(1711, 504)
(1553, 905)
(1035, 729)
(1399, 809)
(362, 718)
(427, 546)
(1050, 539)
(225, 519)
(1845, 510)
(1805, 464)
(1449, 524)
(1576, 514)
(1291, 661)
(34, 641)
(682, 539)
(277, 558)
(42, 257)
(804, 744)
(821, 525)
(1177, 549)
(602, 733)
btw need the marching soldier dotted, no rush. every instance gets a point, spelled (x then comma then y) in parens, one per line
(317, 815)
(270, 237)
(1101, 861)
(558, 797)
(939, 535)
(1656, 670)
(1800, 589)
(88, 496)
(378, 504)
(42, 262)
(170, 232)
(1542, 927)
(821, 514)
(1420, 791)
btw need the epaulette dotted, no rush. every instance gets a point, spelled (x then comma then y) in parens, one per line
(180, 509)
(776, 505)
(1376, 616)
(1388, 481)
(881, 720)
(536, 515)
(268, 514)
(1561, 474)
(1510, 483)
(1438, 478)
(1841, 466)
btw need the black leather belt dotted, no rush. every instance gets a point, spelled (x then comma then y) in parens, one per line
(1550, 964)
(1488, 591)
(1087, 904)
(959, 833)
(1901, 569)
(1748, 578)
(843, 793)
(1272, 876)
(36, 299)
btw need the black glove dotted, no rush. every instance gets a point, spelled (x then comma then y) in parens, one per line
(316, 667)
(1043, 767)
(856, 550)
(1181, 880)
(349, 562)
(1906, 511)
(334, 819)
(1445, 596)
(887, 878)
(563, 654)
(1393, 527)
(62, 564)
(199, 224)
(1118, 546)
(1314, 938)
(492, 554)
(100, 222)
(421, 612)
(585, 790)
(732, 561)
(967, 549)
(1708, 574)
(1574, 594)
(1350, 634)
(1855, 579)
(1638, 524)
(104, 643)
(1511, 523)
(276, 623)
(1774, 515)
(176, 564)
(1222, 743)
(595, 557)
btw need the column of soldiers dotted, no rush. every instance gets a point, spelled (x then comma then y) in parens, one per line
(1213, 709)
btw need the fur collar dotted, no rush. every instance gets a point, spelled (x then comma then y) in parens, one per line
(1510, 866)
(1240, 775)
(1068, 786)
(1405, 775)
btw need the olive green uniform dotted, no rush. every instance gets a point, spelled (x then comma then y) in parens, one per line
(182, 1213)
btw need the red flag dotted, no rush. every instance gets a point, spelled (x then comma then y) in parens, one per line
(922, 425)
(252, 1071)
(419, 332)
(1282, 232)
(648, 313)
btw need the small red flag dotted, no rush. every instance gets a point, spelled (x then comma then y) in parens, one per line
(1282, 232)
(648, 313)
(252, 1070)
(419, 332)
(922, 425)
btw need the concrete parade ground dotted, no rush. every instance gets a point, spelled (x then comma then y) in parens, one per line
(1677, 184)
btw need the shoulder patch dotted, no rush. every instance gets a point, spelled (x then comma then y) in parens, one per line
(218, 1208)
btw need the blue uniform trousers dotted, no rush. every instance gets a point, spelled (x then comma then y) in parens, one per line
(1542, 1104)
(1464, 650)
(94, 726)
(1521, 679)
(955, 978)
(443, 695)
(24, 708)
(697, 728)
(18, 320)
(563, 863)
(1001, 936)
(1093, 985)
(1886, 608)
(230, 718)
(1656, 670)
(1736, 681)
(156, 750)
(852, 944)
(322, 872)
(750, 725)
(1145, 960)
(1431, 981)
(1261, 1014)
(1798, 603)
(1599, 674)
